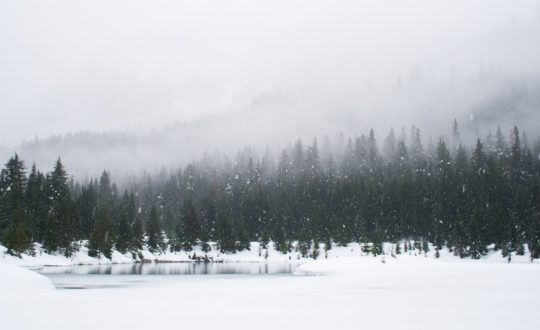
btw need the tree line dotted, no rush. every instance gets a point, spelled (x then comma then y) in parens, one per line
(455, 197)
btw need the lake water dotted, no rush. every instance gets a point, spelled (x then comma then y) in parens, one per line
(129, 275)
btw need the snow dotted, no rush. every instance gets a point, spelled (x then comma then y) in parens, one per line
(350, 290)
(346, 266)
(42, 258)
(13, 278)
(81, 257)
(255, 254)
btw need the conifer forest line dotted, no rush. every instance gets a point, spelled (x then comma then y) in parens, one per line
(463, 198)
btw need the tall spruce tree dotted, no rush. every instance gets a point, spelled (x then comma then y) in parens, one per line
(476, 239)
(155, 240)
(190, 225)
(36, 203)
(225, 235)
(62, 227)
(87, 205)
(137, 234)
(123, 237)
(15, 229)
(101, 240)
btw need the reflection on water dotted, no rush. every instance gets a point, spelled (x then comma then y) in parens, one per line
(176, 268)
(131, 275)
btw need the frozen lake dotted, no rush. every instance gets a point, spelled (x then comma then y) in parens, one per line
(408, 292)
(128, 275)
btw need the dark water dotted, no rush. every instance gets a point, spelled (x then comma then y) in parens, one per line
(119, 276)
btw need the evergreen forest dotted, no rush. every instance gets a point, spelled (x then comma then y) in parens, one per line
(442, 194)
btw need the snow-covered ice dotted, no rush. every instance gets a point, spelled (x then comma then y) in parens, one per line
(348, 292)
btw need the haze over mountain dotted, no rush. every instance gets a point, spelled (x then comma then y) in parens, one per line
(168, 83)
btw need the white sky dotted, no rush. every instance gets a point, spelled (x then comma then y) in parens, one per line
(99, 65)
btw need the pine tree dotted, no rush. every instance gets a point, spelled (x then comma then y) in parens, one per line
(442, 198)
(87, 205)
(373, 151)
(225, 235)
(479, 185)
(137, 236)
(124, 225)
(36, 203)
(456, 138)
(190, 225)
(417, 151)
(390, 145)
(62, 226)
(15, 230)
(208, 219)
(155, 239)
(533, 235)
(100, 241)
(460, 204)
(500, 144)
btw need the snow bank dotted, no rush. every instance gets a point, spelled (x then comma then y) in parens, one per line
(370, 265)
(41, 258)
(14, 278)
(343, 266)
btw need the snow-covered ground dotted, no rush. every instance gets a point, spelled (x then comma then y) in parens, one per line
(350, 291)
(16, 279)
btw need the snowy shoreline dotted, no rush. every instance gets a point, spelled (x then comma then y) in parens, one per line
(256, 254)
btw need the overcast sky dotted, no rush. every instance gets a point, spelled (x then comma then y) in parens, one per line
(99, 65)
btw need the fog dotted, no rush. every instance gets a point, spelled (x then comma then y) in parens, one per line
(134, 85)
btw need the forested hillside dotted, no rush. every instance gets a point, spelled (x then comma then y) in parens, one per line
(459, 197)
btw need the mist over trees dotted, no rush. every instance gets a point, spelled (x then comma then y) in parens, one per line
(478, 101)
(451, 194)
